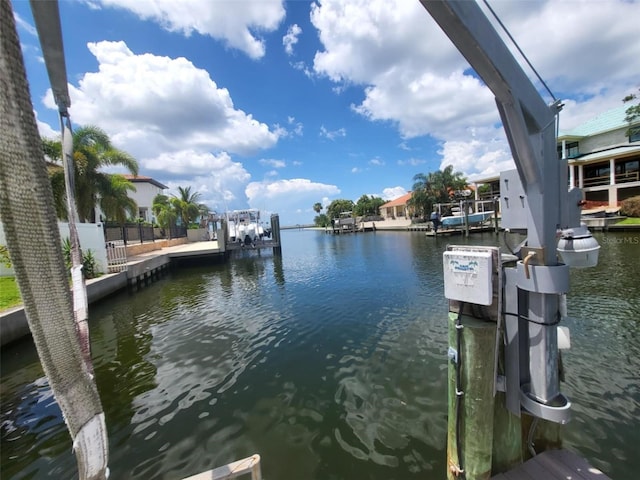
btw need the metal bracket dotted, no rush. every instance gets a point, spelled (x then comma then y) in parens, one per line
(537, 254)
(452, 354)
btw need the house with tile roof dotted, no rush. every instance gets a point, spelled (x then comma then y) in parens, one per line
(604, 158)
(397, 208)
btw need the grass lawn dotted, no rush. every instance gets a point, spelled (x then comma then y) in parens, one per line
(629, 221)
(9, 294)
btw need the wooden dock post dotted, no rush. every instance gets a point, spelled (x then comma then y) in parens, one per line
(275, 234)
(465, 203)
(474, 422)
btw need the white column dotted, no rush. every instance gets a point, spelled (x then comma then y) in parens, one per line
(581, 176)
(612, 171)
(572, 176)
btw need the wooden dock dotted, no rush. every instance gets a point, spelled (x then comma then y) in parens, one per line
(554, 465)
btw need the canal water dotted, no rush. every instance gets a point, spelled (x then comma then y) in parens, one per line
(329, 361)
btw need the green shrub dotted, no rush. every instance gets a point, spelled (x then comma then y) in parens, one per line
(89, 264)
(631, 207)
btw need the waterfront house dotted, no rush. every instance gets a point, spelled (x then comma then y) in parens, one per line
(146, 190)
(604, 158)
(397, 208)
(603, 155)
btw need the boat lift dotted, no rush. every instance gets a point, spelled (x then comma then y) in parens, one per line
(527, 293)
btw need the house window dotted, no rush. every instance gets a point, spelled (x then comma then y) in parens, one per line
(142, 213)
(628, 171)
(596, 175)
(634, 134)
(571, 149)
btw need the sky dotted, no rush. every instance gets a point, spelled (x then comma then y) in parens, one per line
(277, 105)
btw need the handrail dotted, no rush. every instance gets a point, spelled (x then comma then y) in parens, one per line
(606, 179)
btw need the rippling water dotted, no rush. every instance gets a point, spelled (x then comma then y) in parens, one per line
(329, 361)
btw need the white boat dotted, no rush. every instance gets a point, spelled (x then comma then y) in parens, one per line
(244, 226)
(457, 220)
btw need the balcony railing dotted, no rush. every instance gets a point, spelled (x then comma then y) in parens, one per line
(597, 181)
(628, 177)
(606, 179)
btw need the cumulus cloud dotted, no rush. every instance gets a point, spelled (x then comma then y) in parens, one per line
(391, 193)
(45, 129)
(415, 79)
(152, 104)
(238, 26)
(219, 179)
(287, 195)
(377, 162)
(291, 38)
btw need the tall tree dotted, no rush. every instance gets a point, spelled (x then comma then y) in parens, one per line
(633, 112)
(317, 207)
(187, 205)
(339, 206)
(115, 202)
(368, 205)
(92, 152)
(436, 187)
(165, 211)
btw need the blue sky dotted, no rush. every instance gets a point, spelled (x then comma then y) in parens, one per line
(278, 105)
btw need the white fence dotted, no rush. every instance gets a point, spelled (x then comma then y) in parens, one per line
(116, 257)
(91, 238)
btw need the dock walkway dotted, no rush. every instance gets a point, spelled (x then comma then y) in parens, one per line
(139, 269)
(554, 465)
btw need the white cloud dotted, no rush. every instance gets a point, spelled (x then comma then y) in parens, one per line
(289, 197)
(295, 129)
(220, 181)
(332, 134)
(414, 162)
(237, 25)
(291, 38)
(151, 104)
(24, 25)
(391, 193)
(273, 163)
(356, 170)
(302, 67)
(415, 79)
(377, 162)
(45, 129)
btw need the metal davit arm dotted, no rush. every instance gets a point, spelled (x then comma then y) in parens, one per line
(530, 127)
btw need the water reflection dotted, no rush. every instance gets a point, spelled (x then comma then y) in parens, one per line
(328, 360)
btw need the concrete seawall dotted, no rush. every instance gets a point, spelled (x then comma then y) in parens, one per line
(141, 268)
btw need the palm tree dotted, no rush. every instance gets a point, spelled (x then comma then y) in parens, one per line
(317, 207)
(165, 211)
(187, 205)
(436, 187)
(92, 151)
(116, 203)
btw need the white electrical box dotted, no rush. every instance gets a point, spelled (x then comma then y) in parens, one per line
(468, 276)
